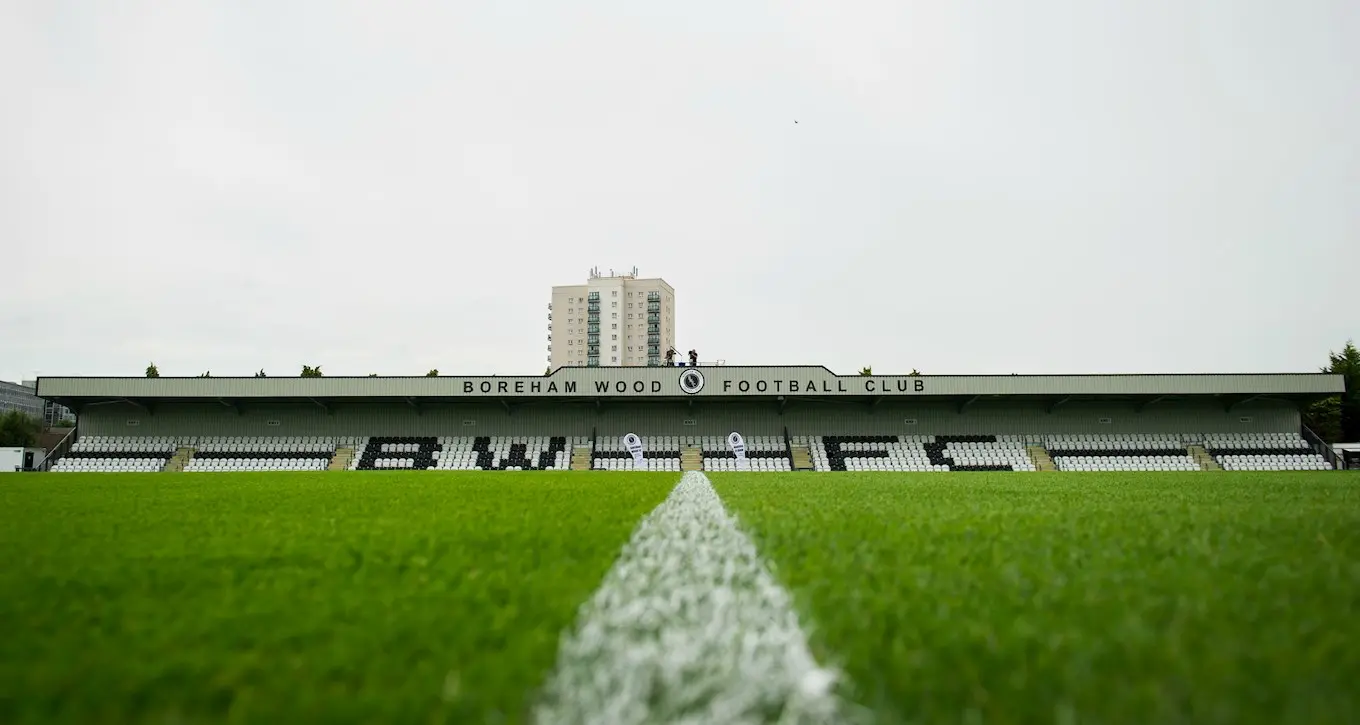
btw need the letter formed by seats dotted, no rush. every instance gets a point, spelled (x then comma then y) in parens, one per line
(738, 445)
(633, 445)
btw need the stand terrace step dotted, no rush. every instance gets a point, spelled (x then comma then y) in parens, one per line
(1041, 459)
(580, 458)
(341, 460)
(177, 462)
(1206, 462)
(691, 458)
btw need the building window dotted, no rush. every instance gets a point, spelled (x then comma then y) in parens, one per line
(614, 326)
(616, 315)
(614, 349)
(613, 359)
(614, 337)
(613, 304)
(615, 293)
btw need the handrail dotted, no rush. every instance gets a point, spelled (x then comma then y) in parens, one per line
(59, 450)
(1322, 447)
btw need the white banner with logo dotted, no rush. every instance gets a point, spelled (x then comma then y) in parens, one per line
(738, 445)
(633, 445)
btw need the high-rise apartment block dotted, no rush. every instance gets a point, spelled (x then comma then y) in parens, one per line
(614, 320)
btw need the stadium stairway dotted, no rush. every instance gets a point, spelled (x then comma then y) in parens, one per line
(1042, 461)
(342, 458)
(1206, 462)
(177, 462)
(691, 458)
(580, 458)
(801, 458)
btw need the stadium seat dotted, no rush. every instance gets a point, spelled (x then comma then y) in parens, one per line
(1121, 452)
(506, 453)
(1264, 452)
(97, 454)
(918, 453)
(659, 453)
(262, 453)
(467, 453)
(765, 453)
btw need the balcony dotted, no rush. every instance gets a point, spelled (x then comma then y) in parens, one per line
(593, 350)
(653, 361)
(654, 307)
(653, 296)
(653, 329)
(593, 297)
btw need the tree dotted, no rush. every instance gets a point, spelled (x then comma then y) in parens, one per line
(1337, 419)
(547, 370)
(372, 375)
(311, 372)
(433, 373)
(261, 374)
(207, 374)
(1347, 364)
(1324, 419)
(152, 371)
(19, 430)
(866, 371)
(914, 373)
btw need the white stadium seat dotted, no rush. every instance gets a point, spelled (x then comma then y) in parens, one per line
(1069, 452)
(467, 453)
(660, 453)
(917, 453)
(116, 454)
(1121, 452)
(765, 453)
(1265, 452)
(500, 453)
(261, 453)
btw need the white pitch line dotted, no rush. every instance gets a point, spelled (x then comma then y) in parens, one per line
(688, 627)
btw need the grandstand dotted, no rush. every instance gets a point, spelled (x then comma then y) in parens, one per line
(793, 418)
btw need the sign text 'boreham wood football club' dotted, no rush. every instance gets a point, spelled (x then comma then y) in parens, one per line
(691, 381)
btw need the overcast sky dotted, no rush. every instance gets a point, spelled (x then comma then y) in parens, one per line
(1040, 187)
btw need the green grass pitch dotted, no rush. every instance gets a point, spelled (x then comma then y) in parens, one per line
(431, 597)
